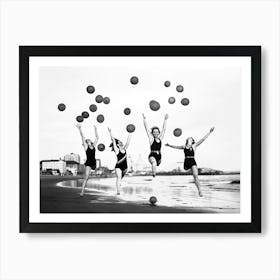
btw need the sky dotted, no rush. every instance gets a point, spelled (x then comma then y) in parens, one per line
(215, 100)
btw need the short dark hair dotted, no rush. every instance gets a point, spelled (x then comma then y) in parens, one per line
(112, 146)
(192, 140)
(154, 128)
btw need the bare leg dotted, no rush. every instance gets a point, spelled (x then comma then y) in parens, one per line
(87, 172)
(119, 179)
(196, 180)
(153, 162)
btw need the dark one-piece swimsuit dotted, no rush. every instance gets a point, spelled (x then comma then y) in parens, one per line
(122, 162)
(189, 158)
(155, 151)
(91, 161)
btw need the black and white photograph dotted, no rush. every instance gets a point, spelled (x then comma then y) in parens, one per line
(140, 135)
(139, 140)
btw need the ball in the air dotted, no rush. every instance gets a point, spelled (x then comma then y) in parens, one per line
(93, 108)
(98, 98)
(177, 132)
(167, 84)
(180, 88)
(127, 111)
(61, 107)
(90, 89)
(106, 100)
(171, 100)
(134, 80)
(153, 200)
(79, 119)
(185, 101)
(85, 115)
(101, 147)
(130, 128)
(154, 105)
(100, 118)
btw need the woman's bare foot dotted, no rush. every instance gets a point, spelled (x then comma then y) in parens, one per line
(200, 193)
(82, 194)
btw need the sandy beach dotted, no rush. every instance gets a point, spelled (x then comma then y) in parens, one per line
(61, 195)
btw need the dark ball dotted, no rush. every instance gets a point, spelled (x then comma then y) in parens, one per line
(90, 89)
(167, 84)
(154, 105)
(61, 107)
(171, 100)
(185, 101)
(134, 80)
(130, 128)
(127, 111)
(101, 147)
(100, 118)
(92, 107)
(177, 132)
(180, 88)
(79, 119)
(106, 100)
(85, 115)
(153, 200)
(98, 98)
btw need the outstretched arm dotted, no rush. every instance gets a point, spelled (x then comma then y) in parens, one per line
(204, 138)
(175, 147)
(96, 136)
(113, 141)
(82, 135)
(163, 127)
(127, 141)
(147, 128)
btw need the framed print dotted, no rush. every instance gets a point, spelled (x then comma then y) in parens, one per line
(140, 138)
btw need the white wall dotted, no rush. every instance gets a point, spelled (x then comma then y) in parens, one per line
(139, 256)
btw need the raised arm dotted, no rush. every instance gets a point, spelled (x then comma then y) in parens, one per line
(147, 129)
(96, 136)
(82, 135)
(163, 127)
(204, 138)
(113, 141)
(175, 147)
(127, 141)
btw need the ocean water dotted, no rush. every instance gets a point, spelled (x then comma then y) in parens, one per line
(220, 192)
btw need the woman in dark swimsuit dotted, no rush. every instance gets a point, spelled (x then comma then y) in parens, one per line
(155, 138)
(121, 165)
(190, 163)
(89, 147)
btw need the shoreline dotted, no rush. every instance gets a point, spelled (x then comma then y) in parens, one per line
(55, 199)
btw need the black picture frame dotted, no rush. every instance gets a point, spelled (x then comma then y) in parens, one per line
(25, 52)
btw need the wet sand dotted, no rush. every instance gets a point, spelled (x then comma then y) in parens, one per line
(55, 199)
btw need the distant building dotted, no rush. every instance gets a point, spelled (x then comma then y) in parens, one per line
(53, 165)
(81, 169)
(72, 166)
(140, 166)
(98, 163)
(131, 165)
(72, 157)
(69, 165)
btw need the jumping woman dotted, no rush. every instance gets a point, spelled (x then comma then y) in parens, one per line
(190, 163)
(121, 165)
(155, 139)
(89, 147)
